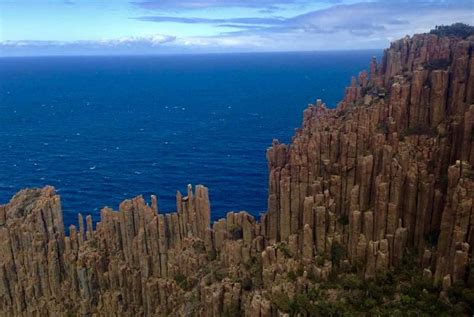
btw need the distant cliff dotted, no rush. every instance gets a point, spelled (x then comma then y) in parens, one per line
(370, 210)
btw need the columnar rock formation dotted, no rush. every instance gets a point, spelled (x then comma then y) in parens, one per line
(120, 266)
(390, 169)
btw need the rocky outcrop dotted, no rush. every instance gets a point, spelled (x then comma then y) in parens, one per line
(121, 266)
(391, 167)
(389, 170)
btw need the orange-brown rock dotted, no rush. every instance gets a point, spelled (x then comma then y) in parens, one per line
(390, 169)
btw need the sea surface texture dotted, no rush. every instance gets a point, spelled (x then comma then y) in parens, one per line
(103, 129)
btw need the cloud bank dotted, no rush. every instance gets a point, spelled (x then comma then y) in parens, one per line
(340, 26)
(205, 4)
(118, 46)
(363, 25)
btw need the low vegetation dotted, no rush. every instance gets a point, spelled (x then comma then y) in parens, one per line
(418, 130)
(182, 281)
(461, 30)
(437, 64)
(403, 292)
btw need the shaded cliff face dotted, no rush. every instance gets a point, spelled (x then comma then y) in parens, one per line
(387, 174)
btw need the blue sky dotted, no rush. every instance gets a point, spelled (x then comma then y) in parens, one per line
(63, 27)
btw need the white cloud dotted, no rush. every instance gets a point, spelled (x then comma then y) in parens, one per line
(123, 45)
(225, 42)
(154, 40)
(348, 26)
(363, 25)
(205, 4)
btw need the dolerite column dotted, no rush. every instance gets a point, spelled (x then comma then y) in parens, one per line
(320, 229)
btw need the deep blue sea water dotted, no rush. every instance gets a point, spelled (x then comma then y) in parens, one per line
(102, 129)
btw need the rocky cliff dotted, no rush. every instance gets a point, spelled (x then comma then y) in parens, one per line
(376, 192)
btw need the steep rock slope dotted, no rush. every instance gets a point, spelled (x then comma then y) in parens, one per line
(385, 176)
(393, 162)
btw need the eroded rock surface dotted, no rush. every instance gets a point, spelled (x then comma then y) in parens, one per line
(389, 170)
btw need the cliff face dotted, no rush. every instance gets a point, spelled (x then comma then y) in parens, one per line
(386, 174)
(390, 168)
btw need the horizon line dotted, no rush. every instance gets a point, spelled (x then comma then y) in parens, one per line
(193, 53)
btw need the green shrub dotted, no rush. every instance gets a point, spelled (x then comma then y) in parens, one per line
(320, 259)
(462, 297)
(343, 220)
(402, 292)
(181, 280)
(291, 276)
(281, 301)
(358, 266)
(457, 30)
(302, 304)
(283, 247)
(311, 276)
(437, 64)
(219, 274)
(338, 252)
(254, 266)
(351, 282)
(418, 129)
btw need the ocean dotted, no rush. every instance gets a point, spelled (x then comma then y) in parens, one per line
(103, 129)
